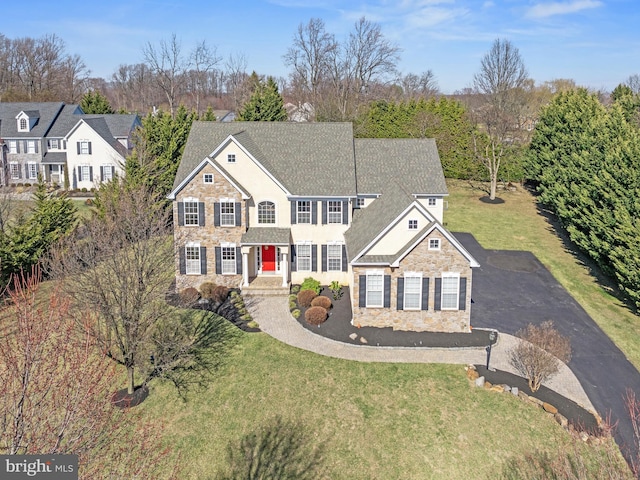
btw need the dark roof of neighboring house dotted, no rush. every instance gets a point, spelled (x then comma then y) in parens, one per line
(120, 125)
(313, 159)
(54, 157)
(46, 112)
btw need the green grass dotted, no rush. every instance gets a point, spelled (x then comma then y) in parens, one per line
(518, 224)
(376, 420)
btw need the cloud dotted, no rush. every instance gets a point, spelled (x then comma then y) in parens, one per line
(543, 10)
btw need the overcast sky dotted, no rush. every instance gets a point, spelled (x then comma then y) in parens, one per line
(594, 42)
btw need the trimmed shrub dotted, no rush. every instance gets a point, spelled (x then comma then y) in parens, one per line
(88, 202)
(295, 313)
(315, 315)
(206, 290)
(311, 283)
(83, 189)
(293, 297)
(220, 293)
(321, 301)
(292, 304)
(305, 297)
(295, 289)
(189, 296)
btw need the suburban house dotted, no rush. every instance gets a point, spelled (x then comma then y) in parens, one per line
(62, 144)
(297, 200)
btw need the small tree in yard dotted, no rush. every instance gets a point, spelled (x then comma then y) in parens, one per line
(539, 352)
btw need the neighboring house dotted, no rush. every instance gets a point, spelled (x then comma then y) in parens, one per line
(62, 145)
(297, 200)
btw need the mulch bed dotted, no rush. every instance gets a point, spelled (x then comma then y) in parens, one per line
(578, 417)
(122, 398)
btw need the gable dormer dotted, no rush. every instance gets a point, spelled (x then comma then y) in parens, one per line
(26, 120)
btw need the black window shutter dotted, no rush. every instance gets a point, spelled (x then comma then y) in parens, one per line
(89, 148)
(17, 147)
(201, 217)
(462, 301)
(216, 214)
(425, 294)
(314, 258)
(324, 258)
(238, 260)
(345, 267)
(180, 214)
(237, 209)
(362, 294)
(26, 170)
(293, 259)
(400, 305)
(437, 295)
(294, 205)
(78, 145)
(203, 260)
(218, 260)
(314, 213)
(183, 262)
(324, 213)
(36, 144)
(91, 174)
(345, 212)
(102, 174)
(79, 174)
(387, 291)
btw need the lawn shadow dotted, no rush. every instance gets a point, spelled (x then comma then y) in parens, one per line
(277, 449)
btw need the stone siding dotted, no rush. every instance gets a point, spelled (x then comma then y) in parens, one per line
(208, 236)
(432, 263)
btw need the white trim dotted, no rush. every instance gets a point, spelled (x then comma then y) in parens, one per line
(409, 227)
(275, 212)
(196, 246)
(204, 178)
(372, 273)
(232, 248)
(196, 171)
(304, 243)
(455, 275)
(437, 247)
(310, 212)
(417, 275)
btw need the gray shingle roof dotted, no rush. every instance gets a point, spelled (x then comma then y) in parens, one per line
(45, 111)
(54, 157)
(410, 164)
(314, 159)
(266, 235)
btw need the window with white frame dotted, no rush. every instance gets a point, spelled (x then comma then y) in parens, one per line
(334, 208)
(13, 146)
(450, 291)
(53, 144)
(303, 257)
(192, 259)
(231, 158)
(84, 147)
(227, 213)
(85, 172)
(334, 257)
(267, 213)
(228, 260)
(191, 212)
(412, 291)
(375, 286)
(14, 171)
(304, 211)
(24, 125)
(413, 224)
(359, 202)
(31, 146)
(434, 244)
(207, 178)
(431, 202)
(32, 170)
(107, 173)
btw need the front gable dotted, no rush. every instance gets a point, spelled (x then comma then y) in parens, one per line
(207, 167)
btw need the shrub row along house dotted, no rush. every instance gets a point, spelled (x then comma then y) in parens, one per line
(295, 200)
(62, 145)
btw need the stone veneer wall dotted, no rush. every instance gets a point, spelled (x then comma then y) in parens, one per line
(208, 236)
(432, 264)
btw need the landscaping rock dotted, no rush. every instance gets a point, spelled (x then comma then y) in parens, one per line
(535, 401)
(353, 336)
(363, 340)
(562, 420)
(515, 392)
(488, 385)
(497, 388)
(479, 382)
(584, 436)
(472, 374)
(549, 408)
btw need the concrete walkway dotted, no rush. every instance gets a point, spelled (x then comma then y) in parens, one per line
(274, 318)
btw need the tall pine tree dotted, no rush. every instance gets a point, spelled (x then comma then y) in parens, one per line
(265, 105)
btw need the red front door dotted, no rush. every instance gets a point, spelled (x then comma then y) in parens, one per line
(268, 258)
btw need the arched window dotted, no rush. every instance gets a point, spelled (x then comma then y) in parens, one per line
(267, 213)
(23, 124)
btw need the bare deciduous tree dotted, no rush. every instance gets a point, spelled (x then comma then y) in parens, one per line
(538, 354)
(236, 80)
(501, 83)
(203, 60)
(414, 86)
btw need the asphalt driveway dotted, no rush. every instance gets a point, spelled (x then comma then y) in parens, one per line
(512, 289)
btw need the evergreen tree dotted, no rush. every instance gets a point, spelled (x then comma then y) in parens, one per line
(265, 105)
(93, 102)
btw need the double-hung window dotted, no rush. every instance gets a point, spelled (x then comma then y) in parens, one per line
(31, 146)
(228, 259)
(32, 170)
(334, 208)
(412, 291)
(227, 213)
(85, 148)
(304, 211)
(303, 256)
(85, 173)
(13, 146)
(14, 171)
(192, 256)
(191, 213)
(334, 257)
(107, 173)
(267, 213)
(375, 285)
(54, 144)
(450, 291)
